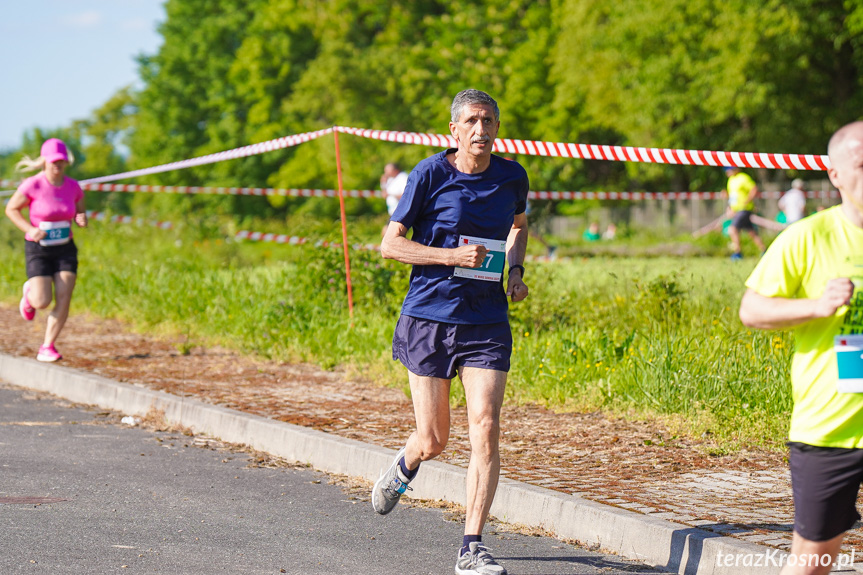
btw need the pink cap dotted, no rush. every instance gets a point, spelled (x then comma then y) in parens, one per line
(54, 150)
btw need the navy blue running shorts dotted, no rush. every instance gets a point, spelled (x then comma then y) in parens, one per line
(48, 260)
(825, 481)
(436, 349)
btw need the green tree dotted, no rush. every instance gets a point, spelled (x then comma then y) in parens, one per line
(105, 135)
(744, 76)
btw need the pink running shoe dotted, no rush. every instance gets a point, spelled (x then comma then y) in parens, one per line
(48, 353)
(28, 312)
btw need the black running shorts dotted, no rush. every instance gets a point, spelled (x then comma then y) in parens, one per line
(742, 220)
(825, 481)
(48, 260)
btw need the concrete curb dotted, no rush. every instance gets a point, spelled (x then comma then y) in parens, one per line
(670, 546)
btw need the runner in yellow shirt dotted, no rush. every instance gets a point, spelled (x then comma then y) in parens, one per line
(806, 281)
(742, 191)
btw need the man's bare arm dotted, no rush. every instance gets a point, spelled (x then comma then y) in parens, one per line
(753, 193)
(396, 246)
(516, 242)
(516, 247)
(764, 312)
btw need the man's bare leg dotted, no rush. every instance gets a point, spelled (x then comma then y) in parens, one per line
(757, 239)
(806, 551)
(484, 390)
(430, 396)
(431, 409)
(734, 234)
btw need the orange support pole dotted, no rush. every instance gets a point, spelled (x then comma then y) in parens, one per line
(344, 226)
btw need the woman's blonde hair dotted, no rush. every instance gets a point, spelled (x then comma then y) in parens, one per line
(28, 164)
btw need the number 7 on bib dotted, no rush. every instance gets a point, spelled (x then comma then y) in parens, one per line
(491, 269)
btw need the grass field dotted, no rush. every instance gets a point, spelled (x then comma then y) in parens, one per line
(641, 337)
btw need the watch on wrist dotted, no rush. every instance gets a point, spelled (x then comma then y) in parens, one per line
(518, 267)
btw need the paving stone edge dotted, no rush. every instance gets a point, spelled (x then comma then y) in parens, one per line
(667, 545)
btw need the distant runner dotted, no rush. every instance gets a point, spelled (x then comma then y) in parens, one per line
(53, 201)
(793, 202)
(467, 210)
(810, 280)
(393, 182)
(742, 191)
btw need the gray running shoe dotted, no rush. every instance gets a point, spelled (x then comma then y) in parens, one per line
(389, 487)
(478, 561)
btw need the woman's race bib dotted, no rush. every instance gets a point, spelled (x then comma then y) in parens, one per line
(849, 360)
(59, 233)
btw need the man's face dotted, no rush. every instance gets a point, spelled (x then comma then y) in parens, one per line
(475, 130)
(846, 170)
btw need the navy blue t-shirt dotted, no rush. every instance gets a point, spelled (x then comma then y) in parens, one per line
(441, 203)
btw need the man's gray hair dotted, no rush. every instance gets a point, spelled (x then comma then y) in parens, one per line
(472, 97)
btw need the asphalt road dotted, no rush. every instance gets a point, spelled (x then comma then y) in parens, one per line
(81, 493)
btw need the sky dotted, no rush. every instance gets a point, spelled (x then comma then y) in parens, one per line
(62, 59)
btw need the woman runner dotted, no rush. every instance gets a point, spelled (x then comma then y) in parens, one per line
(53, 201)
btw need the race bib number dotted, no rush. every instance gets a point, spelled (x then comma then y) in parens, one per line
(59, 233)
(849, 360)
(491, 269)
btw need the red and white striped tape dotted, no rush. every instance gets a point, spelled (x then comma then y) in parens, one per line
(118, 219)
(245, 151)
(634, 196)
(296, 240)
(434, 140)
(235, 191)
(618, 153)
(307, 193)
(294, 192)
(278, 238)
(241, 235)
(832, 194)
(511, 146)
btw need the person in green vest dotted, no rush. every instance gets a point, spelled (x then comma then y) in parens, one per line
(742, 191)
(591, 234)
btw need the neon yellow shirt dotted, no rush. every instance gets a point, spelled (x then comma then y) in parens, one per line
(739, 186)
(798, 265)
